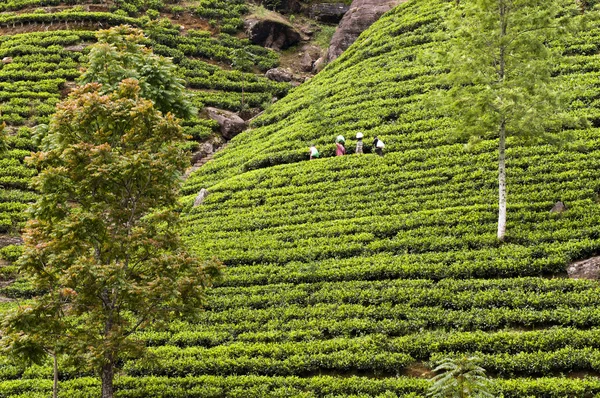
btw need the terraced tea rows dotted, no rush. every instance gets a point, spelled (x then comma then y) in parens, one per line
(40, 66)
(347, 276)
(396, 255)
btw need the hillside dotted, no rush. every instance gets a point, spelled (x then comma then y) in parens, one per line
(44, 43)
(347, 276)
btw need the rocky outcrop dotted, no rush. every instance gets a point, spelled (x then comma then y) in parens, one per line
(207, 148)
(271, 33)
(279, 75)
(318, 65)
(310, 55)
(559, 207)
(586, 269)
(200, 197)
(360, 16)
(289, 6)
(328, 12)
(231, 124)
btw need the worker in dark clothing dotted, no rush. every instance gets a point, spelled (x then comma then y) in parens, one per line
(378, 145)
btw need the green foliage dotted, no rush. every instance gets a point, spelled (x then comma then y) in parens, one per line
(500, 62)
(120, 54)
(102, 247)
(460, 378)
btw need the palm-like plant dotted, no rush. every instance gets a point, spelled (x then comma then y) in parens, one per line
(460, 378)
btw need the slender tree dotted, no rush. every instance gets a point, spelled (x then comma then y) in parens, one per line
(102, 247)
(242, 61)
(500, 62)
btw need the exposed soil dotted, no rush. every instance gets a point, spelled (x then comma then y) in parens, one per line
(582, 374)
(189, 21)
(37, 27)
(418, 370)
(6, 240)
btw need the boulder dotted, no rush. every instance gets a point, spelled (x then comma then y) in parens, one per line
(271, 33)
(360, 16)
(206, 149)
(559, 207)
(310, 54)
(318, 65)
(328, 12)
(76, 47)
(279, 75)
(289, 6)
(200, 197)
(306, 63)
(586, 269)
(7, 60)
(231, 124)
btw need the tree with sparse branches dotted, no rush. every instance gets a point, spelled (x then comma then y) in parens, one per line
(460, 378)
(242, 61)
(501, 61)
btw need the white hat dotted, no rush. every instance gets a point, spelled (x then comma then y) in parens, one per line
(359, 135)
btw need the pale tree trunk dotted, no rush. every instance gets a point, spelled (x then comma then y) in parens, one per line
(502, 130)
(108, 373)
(55, 384)
(502, 183)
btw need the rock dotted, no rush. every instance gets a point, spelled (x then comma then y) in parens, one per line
(279, 75)
(586, 269)
(318, 65)
(289, 6)
(6, 240)
(271, 33)
(231, 124)
(67, 87)
(360, 16)
(7, 60)
(328, 12)
(206, 148)
(77, 47)
(310, 54)
(559, 207)
(200, 197)
(308, 31)
(306, 63)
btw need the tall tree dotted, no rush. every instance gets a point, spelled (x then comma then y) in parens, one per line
(120, 53)
(102, 247)
(500, 63)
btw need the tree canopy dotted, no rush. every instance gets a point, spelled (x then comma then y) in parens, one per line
(120, 53)
(102, 246)
(501, 60)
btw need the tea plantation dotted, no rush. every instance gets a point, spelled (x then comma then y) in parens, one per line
(348, 276)
(44, 59)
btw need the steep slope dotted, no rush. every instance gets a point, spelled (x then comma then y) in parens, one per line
(347, 275)
(398, 254)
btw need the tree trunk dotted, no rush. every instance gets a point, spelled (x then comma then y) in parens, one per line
(55, 384)
(108, 373)
(243, 96)
(502, 183)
